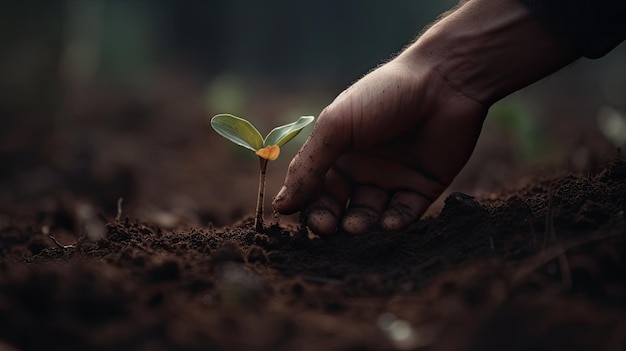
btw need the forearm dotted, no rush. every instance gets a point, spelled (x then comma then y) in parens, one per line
(487, 49)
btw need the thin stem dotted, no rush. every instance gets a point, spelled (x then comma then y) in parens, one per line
(258, 222)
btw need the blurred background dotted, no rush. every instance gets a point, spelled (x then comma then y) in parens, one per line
(102, 99)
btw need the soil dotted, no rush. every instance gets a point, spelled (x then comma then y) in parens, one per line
(539, 267)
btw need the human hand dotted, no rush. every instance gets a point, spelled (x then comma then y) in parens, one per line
(389, 145)
(383, 151)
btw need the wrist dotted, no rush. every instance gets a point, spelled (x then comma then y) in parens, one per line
(487, 49)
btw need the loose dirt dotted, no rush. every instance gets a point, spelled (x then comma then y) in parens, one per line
(540, 267)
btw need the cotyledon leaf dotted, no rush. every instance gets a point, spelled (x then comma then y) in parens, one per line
(269, 153)
(237, 130)
(281, 135)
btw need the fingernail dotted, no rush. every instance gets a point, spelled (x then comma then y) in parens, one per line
(281, 194)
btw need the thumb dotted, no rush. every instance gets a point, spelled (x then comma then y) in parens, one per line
(307, 171)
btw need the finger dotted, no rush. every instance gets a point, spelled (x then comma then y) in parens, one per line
(404, 208)
(388, 173)
(323, 216)
(365, 209)
(306, 174)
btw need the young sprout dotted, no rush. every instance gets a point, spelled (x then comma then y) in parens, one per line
(243, 133)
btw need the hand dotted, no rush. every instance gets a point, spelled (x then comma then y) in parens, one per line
(388, 146)
(383, 151)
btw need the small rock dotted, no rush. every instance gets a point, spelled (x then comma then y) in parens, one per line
(461, 204)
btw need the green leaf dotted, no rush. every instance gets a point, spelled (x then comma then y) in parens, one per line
(281, 135)
(237, 130)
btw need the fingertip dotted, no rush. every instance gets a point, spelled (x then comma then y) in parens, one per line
(301, 187)
(322, 222)
(364, 211)
(404, 208)
(323, 216)
(393, 221)
(359, 220)
(281, 202)
(355, 225)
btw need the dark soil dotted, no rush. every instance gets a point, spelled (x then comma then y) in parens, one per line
(540, 267)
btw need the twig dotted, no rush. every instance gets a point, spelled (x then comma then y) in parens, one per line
(118, 217)
(64, 247)
(533, 263)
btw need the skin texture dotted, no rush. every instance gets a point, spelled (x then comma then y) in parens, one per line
(390, 144)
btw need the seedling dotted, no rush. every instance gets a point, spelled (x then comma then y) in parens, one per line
(243, 133)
